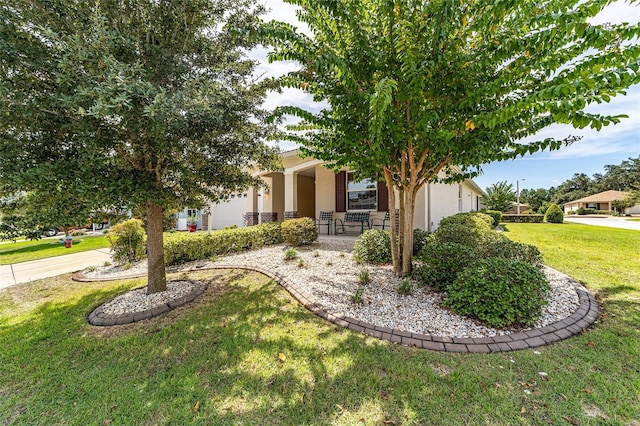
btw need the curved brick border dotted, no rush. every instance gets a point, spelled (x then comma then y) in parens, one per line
(99, 317)
(579, 321)
(582, 318)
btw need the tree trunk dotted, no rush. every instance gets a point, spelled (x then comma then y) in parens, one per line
(395, 258)
(407, 232)
(156, 275)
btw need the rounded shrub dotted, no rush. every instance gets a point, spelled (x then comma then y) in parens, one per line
(496, 215)
(373, 246)
(471, 237)
(471, 219)
(499, 292)
(299, 231)
(501, 246)
(128, 241)
(554, 214)
(438, 263)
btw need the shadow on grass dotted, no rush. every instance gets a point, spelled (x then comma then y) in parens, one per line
(247, 353)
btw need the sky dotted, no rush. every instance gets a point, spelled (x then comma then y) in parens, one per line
(611, 145)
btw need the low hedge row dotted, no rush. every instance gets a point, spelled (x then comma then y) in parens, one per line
(186, 247)
(522, 218)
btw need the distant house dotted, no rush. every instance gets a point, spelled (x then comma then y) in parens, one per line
(600, 201)
(305, 187)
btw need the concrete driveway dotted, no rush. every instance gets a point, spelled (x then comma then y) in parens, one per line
(610, 221)
(50, 267)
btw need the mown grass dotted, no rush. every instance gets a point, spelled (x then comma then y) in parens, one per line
(24, 251)
(246, 353)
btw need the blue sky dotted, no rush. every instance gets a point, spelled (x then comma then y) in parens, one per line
(611, 145)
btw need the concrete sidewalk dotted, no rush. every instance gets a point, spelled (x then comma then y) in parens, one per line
(51, 266)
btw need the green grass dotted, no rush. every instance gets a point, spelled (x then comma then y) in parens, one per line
(218, 361)
(24, 251)
(633, 220)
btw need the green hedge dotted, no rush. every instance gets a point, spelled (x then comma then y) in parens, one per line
(522, 218)
(185, 247)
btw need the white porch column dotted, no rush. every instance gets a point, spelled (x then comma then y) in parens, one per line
(290, 192)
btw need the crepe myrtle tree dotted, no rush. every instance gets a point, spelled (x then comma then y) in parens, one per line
(141, 105)
(417, 87)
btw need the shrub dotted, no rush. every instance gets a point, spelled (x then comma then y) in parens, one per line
(499, 292)
(299, 231)
(472, 220)
(185, 247)
(522, 218)
(440, 262)
(291, 254)
(461, 234)
(127, 240)
(554, 214)
(405, 287)
(373, 246)
(420, 237)
(506, 249)
(496, 215)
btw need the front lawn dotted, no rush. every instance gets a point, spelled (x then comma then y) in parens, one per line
(247, 353)
(24, 251)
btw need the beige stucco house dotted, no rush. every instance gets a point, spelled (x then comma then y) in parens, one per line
(600, 201)
(306, 187)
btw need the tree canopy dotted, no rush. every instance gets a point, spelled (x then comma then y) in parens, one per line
(138, 104)
(417, 87)
(499, 196)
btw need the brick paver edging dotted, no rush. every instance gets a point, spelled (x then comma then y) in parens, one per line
(580, 320)
(99, 317)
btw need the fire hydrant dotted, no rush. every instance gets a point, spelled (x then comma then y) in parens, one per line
(68, 241)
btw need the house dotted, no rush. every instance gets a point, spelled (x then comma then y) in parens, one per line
(600, 201)
(306, 187)
(183, 219)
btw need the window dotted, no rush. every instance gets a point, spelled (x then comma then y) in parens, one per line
(592, 206)
(192, 212)
(361, 195)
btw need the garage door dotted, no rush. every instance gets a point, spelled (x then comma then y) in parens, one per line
(229, 212)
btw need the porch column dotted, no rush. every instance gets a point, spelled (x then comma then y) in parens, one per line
(251, 216)
(290, 195)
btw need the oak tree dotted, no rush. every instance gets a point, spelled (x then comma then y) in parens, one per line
(141, 104)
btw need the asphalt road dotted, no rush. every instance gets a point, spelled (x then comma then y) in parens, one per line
(610, 221)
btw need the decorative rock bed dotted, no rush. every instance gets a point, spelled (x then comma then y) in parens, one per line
(327, 277)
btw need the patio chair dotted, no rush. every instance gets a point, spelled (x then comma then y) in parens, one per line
(325, 219)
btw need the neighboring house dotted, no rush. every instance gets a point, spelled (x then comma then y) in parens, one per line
(600, 201)
(182, 219)
(514, 208)
(306, 187)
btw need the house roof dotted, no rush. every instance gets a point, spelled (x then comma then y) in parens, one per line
(602, 197)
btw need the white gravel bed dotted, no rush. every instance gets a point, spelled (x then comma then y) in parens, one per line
(138, 300)
(327, 271)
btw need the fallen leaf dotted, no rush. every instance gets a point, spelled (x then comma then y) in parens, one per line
(282, 357)
(498, 385)
(570, 420)
(523, 410)
(590, 344)
(587, 390)
(196, 407)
